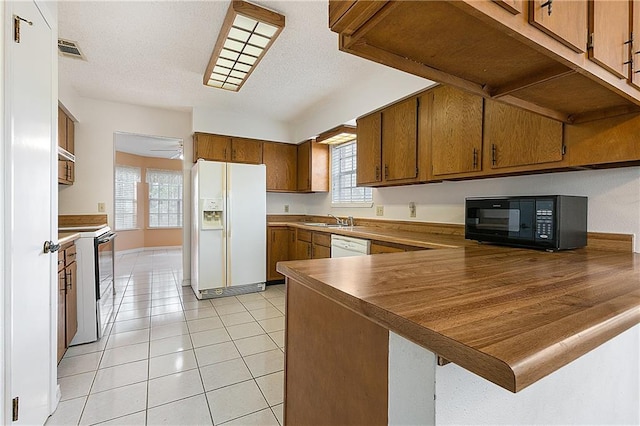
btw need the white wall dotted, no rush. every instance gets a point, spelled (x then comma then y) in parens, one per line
(614, 198)
(94, 151)
(3, 386)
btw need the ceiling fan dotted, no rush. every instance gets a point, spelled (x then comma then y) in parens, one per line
(178, 151)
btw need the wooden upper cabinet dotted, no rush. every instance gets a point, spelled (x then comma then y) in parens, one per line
(304, 166)
(211, 147)
(515, 137)
(634, 77)
(281, 162)
(609, 35)
(566, 21)
(246, 151)
(71, 135)
(513, 6)
(62, 129)
(369, 149)
(313, 167)
(400, 141)
(456, 135)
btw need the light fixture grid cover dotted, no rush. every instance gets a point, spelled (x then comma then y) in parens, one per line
(235, 54)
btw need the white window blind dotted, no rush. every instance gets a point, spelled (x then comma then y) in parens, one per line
(126, 203)
(165, 198)
(343, 176)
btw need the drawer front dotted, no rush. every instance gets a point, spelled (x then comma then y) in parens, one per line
(304, 235)
(70, 254)
(322, 239)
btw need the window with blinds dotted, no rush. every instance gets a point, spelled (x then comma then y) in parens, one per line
(343, 177)
(165, 198)
(126, 199)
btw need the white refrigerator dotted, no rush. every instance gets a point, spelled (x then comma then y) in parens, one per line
(228, 228)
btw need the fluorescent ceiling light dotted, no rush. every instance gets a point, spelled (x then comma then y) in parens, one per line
(247, 33)
(338, 135)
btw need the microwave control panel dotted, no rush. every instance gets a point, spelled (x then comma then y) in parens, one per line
(544, 219)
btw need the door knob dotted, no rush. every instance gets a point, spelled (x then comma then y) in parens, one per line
(51, 247)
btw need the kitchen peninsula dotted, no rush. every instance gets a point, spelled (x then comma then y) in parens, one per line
(546, 327)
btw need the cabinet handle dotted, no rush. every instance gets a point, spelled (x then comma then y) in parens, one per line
(69, 275)
(493, 154)
(233, 154)
(386, 171)
(547, 4)
(377, 172)
(475, 158)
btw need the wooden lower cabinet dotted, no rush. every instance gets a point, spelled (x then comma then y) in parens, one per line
(278, 250)
(67, 298)
(340, 375)
(303, 245)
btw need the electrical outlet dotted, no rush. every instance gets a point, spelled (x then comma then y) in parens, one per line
(286, 208)
(101, 208)
(379, 210)
(412, 209)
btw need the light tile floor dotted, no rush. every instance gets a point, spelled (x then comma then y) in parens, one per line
(169, 358)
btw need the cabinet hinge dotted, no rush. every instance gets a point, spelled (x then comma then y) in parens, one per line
(417, 171)
(14, 416)
(564, 149)
(590, 41)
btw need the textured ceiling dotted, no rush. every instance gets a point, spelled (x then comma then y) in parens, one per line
(155, 54)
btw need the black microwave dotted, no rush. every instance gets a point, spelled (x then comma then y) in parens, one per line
(551, 222)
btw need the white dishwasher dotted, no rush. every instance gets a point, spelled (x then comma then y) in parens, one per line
(342, 246)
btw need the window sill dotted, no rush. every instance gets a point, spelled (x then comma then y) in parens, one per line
(163, 228)
(129, 229)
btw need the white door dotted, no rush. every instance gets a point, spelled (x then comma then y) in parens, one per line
(246, 224)
(30, 300)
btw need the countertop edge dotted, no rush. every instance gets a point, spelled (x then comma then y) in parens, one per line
(499, 372)
(67, 237)
(512, 375)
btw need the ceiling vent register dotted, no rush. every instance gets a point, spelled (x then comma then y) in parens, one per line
(70, 48)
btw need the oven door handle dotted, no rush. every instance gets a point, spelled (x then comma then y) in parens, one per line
(107, 238)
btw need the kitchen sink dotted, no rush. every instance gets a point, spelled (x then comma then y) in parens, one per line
(322, 225)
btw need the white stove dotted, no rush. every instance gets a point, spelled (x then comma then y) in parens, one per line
(96, 292)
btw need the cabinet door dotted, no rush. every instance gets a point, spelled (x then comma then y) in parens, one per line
(71, 135)
(211, 147)
(71, 172)
(566, 21)
(634, 78)
(515, 137)
(246, 151)
(62, 172)
(456, 132)
(62, 129)
(319, 172)
(369, 149)
(304, 166)
(303, 250)
(71, 302)
(277, 250)
(400, 141)
(61, 339)
(281, 160)
(609, 33)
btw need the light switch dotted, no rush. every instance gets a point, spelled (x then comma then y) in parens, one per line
(412, 209)
(379, 210)
(101, 208)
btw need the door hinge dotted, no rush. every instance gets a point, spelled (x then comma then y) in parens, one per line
(590, 41)
(14, 416)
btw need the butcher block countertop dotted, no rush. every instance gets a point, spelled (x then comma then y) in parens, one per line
(510, 315)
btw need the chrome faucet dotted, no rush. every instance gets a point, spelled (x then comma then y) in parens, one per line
(350, 220)
(338, 220)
